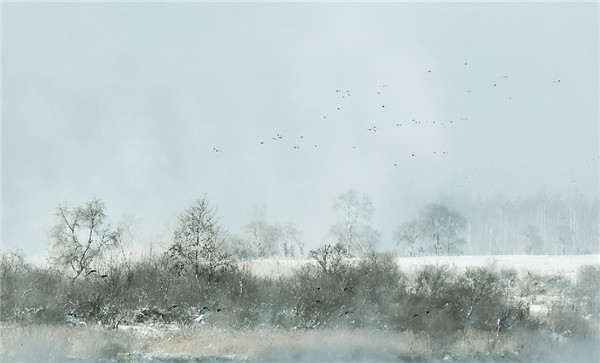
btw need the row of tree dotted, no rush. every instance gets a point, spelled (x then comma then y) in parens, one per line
(198, 246)
(438, 229)
(82, 234)
(353, 230)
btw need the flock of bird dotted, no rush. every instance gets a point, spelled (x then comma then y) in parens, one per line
(299, 141)
(343, 94)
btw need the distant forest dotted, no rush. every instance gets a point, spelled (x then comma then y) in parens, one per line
(455, 225)
(537, 224)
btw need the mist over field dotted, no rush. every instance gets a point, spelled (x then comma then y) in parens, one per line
(300, 182)
(283, 107)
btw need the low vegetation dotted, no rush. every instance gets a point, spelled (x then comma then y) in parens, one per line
(337, 302)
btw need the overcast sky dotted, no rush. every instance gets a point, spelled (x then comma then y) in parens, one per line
(128, 102)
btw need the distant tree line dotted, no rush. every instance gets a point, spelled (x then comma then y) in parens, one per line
(471, 225)
(353, 229)
(538, 224)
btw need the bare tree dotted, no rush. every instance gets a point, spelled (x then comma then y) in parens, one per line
(197, 246)
(531, 238)
(291, 238)
(366, 238)
(354, 227)
(443, 225)
(331, 259)
(564, 237)
(410, 233)
(455, 224)
(80, 236)
(264, 237)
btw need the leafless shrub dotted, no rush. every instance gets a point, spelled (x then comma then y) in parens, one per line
(332, 259)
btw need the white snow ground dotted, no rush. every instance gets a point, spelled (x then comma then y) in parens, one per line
(566, 265)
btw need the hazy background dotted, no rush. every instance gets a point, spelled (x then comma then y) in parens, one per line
(127, 102)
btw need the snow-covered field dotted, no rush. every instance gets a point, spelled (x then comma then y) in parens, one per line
(566, 265)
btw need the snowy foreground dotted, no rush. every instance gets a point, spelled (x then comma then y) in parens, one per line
(566, 265)
(90, 344)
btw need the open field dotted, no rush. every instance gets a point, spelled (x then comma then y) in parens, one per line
(565, 265)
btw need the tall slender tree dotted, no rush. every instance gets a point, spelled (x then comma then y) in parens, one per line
(355, 213)
(444, 227)
(263, 237)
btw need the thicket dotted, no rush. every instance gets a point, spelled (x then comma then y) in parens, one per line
(335, 291)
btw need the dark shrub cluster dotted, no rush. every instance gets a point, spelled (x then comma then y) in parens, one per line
(371, 292)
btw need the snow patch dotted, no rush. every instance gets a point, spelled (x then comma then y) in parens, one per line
(566, 265)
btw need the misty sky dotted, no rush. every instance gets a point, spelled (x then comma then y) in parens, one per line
(128, 102)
